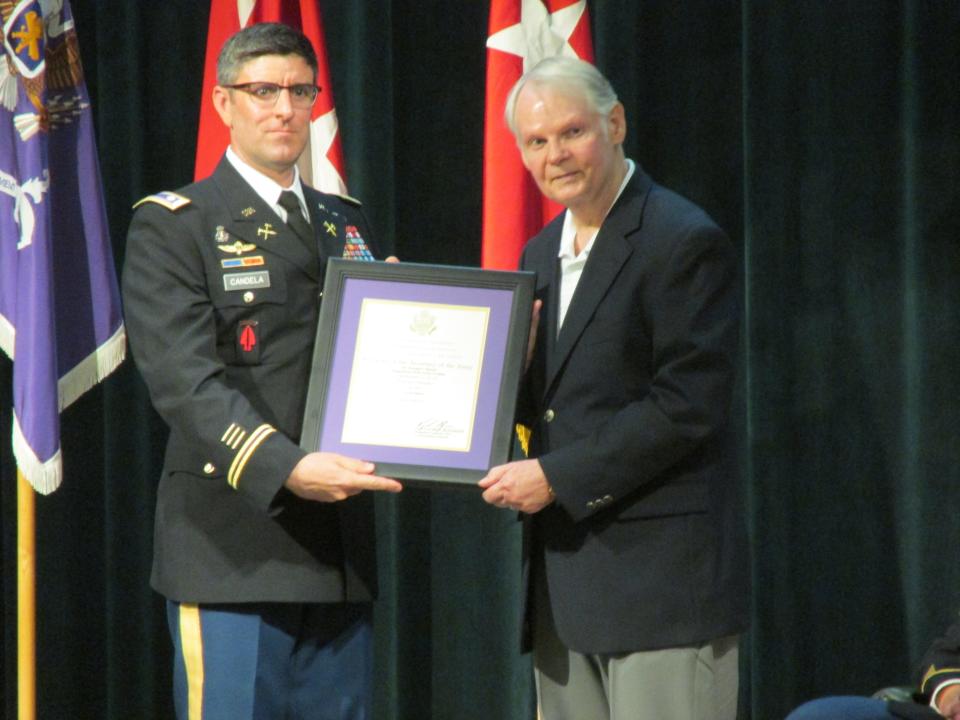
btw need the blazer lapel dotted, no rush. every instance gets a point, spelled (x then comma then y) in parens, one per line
(610, 251)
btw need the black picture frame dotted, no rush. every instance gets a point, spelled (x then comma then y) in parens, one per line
(364, 393)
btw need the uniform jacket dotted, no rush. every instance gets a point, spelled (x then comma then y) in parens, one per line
(644, 547)
(221, 301)
(940, 664)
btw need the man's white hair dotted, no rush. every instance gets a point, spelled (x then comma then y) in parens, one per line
(566, 75)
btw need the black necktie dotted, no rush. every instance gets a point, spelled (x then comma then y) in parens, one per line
(289, 202)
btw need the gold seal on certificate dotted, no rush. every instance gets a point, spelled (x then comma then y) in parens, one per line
(416, 367)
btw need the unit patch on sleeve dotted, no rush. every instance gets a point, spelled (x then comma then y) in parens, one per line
(248, 342)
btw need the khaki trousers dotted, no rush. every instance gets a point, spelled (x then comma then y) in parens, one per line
(683, 683)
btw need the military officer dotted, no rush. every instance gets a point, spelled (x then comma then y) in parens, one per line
(263, 551)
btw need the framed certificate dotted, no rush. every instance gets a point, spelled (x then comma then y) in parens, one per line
(416, 367)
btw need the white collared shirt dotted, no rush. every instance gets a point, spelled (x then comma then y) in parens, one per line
(267, 188)
(571, 264)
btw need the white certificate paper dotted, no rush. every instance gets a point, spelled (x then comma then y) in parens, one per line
(416, 374)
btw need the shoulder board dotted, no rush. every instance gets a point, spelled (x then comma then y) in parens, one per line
(348, 199)
(170, 200)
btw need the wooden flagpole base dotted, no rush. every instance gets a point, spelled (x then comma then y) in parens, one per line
(26, 601)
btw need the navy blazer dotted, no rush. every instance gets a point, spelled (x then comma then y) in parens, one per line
(645, 546)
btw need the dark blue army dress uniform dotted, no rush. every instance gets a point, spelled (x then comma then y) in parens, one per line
(221, 301)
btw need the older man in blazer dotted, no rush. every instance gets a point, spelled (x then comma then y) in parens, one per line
(635, 544)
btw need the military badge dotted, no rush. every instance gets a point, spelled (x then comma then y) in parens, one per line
(328, 211)
(249, 261)
(237, 248)
(355, 248)
(170, 200)
(265, 231)
(330, 228)
(247, 212)
(248, 342)
(233, 436)
(26, 37)
(221, 236)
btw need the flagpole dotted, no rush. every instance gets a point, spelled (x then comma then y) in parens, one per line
(26, 601)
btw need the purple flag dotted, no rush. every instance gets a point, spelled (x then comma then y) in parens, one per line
(60, 316)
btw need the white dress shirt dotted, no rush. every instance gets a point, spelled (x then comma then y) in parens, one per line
(267, 188)
(571, 264)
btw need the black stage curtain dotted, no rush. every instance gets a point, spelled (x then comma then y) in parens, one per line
(821, 136)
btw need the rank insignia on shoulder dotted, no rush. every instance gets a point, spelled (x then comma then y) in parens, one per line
(348, 199)
(170, 200)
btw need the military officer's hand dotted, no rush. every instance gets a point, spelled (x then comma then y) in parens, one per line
(948, 702)
(518, 485)
(329, 477)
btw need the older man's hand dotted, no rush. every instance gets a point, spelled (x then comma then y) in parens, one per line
(519, 485)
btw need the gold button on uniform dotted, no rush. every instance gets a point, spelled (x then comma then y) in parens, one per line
(549, 415)
(248, 297)
(209, 468)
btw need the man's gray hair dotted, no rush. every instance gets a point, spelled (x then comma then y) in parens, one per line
(569, 76)
(258, 40)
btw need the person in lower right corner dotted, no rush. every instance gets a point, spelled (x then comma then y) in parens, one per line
(938, 694)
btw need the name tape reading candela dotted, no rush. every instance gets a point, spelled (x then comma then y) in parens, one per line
(245, 281)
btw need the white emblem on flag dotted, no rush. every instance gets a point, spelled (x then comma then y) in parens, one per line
(22, 209)
(539, 33)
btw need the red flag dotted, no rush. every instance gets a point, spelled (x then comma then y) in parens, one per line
(522, 32)
(321, 164)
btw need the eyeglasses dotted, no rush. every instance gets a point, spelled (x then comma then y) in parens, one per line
(266, 94)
